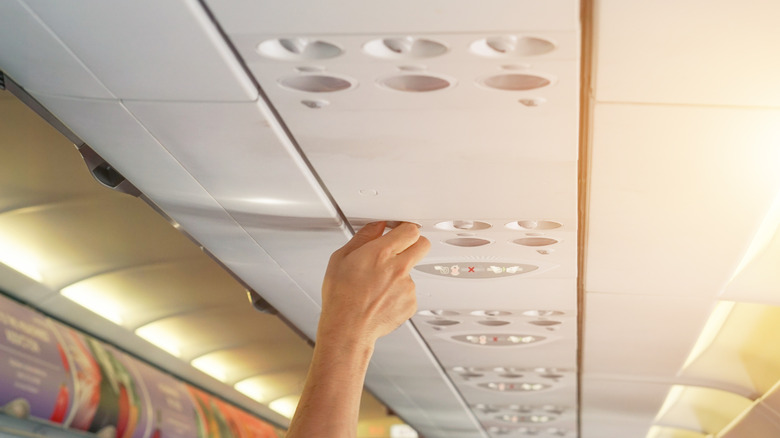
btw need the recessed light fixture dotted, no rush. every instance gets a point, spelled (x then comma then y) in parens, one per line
(286, 405)
(15, 254)
(96, 300)
(251, 388)
(161, 338)
(211, 366)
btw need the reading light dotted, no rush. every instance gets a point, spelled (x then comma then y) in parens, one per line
(160, 338)
(87, 296)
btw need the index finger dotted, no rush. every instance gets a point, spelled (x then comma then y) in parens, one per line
(399, 238)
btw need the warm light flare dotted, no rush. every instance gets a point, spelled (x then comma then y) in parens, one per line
(252, 389)
(211, 366)
(766, 231)
(96, 300)
(711, 329)
(161, 338)
(17, 256)
(286, 405)
(675, 392)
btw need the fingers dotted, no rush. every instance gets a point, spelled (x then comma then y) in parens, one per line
(412, 255)
(400, 238)
(366, 234)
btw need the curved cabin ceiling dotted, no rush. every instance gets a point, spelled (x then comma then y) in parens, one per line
(600, 184)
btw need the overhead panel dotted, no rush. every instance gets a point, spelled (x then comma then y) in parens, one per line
(130, 47)
(26, 42)
(463, 118)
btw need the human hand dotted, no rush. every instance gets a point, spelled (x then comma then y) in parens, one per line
(368, 292)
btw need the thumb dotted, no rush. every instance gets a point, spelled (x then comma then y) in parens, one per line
(366, 234)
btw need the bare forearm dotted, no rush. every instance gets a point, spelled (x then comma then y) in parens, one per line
(367, 293)
(330, 402)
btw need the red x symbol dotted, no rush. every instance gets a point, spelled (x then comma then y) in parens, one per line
(471, 269)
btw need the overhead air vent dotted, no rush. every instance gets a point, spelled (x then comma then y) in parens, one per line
(505, 46)
(404, 48)
(297, 49)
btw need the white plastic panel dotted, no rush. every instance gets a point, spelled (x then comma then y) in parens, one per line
(206, 138)
(355, 16)
(34, 56)
(149, 49)
(691, 52)
(525, 154)
(669, 180)
(294, 222)
(414, 392)
(614, 408)
(640, 337)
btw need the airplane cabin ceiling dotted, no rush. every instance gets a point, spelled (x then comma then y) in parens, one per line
(599, 182)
